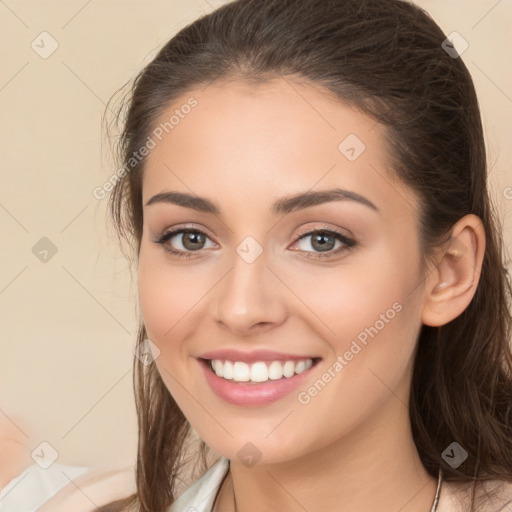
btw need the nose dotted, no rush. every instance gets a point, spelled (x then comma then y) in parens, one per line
(250, 298)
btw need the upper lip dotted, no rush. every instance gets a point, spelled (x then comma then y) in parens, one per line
(252, 356)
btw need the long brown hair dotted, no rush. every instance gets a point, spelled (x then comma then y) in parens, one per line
(387, 58)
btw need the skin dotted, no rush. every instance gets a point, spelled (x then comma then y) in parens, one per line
(244, 146)
(14, 448)
(99, 485)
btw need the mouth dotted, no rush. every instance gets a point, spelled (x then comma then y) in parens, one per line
(260, 371)
(259, 383)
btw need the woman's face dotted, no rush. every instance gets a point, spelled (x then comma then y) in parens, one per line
(254, 282)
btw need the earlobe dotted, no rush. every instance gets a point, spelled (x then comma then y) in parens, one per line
(453, 282)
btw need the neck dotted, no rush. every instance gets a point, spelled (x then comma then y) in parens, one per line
(376, 467)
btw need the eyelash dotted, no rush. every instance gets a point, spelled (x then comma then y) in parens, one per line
(348, 243)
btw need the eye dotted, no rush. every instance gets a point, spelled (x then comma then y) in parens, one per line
(321, 240)
(324, 241)
(191, 240)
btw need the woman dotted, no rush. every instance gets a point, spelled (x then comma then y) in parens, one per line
(319, 266)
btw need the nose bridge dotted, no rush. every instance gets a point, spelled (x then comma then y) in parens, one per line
(247, 296)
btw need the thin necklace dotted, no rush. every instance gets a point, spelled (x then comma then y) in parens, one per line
(434, 504)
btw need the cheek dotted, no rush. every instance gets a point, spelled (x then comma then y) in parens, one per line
(167, 299)
(158, 302)
(370, 316)
(168, 296)
(368, 297)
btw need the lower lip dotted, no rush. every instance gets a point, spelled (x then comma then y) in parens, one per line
(250, 394)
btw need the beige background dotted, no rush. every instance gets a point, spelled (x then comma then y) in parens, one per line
(68, 325)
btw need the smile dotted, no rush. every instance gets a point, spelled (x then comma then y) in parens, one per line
(260, 371)
(255, 384)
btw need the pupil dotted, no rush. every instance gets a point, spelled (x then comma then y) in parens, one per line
(193, 238)
(320, 239)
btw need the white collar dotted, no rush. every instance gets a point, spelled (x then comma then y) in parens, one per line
(201, 494)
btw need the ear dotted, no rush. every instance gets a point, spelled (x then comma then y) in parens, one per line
(452, 283)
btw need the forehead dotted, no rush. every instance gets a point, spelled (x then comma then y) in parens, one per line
(269, 139)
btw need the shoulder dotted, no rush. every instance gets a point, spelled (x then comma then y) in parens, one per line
(99, 486)
(54, 487)
(36, 484)
(201, 495)
(496, 495)
(489, 496)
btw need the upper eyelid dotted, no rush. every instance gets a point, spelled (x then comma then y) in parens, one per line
(319, 226)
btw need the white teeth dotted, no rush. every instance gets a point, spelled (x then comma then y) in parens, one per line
(300, 367)
(259, 371)
(227, 370)
(275, 370)
(217, 367)
(289, 369)
(241, 372)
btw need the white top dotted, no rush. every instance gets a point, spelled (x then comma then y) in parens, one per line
(199, 497)
(35, 486)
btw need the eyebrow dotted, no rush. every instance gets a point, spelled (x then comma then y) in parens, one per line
(283, 205)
